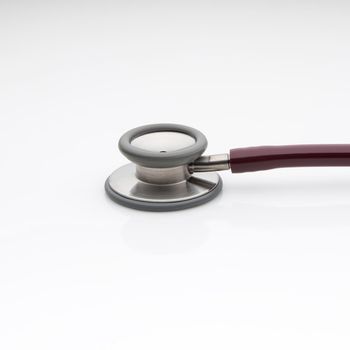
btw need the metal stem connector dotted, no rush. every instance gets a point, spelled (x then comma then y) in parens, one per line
(215, 162)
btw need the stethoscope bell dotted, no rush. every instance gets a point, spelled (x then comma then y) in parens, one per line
(159, 177)
(168, 171)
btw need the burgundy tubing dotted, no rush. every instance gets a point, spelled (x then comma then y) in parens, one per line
(270, 157)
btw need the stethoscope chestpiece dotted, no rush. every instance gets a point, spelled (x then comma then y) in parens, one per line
(160, 176)
(168, 171)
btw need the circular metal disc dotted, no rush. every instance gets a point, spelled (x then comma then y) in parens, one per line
(124, 188)
(163, 141)
(162, 145)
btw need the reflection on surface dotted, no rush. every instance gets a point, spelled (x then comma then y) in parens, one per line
(319, 203)
(165, 233)
(255, 210)
(195, 186)
(201, 182)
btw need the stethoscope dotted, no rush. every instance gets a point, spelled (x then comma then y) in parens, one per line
(168, 171)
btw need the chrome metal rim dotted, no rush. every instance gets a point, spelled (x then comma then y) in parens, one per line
(125, 188)
(141, 154)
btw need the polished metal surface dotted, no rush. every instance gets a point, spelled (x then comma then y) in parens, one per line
(215, 162)
(126, 182)
(159, 177)
(162, 145)
(163, 141)
(162, 176)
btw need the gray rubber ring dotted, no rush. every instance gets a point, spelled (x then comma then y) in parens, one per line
(167, 206)
(151, 159)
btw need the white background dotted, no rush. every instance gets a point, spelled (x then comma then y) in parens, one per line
(264, 266)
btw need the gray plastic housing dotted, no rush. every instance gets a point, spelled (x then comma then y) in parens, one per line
(153, 159)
